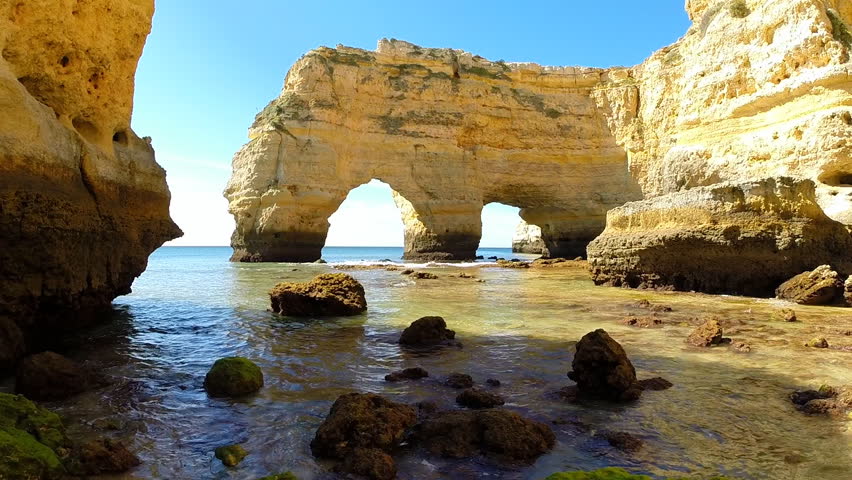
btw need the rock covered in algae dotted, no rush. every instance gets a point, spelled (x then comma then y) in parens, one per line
(427, 332)
(231, 455)
(817, 287)
(30, 437)
(280, 476)
(609, 474)
(233, 377)
(498, 433)
(602, 370)
(100, 456)
(50, 376)
(360, 431)
(329, 294)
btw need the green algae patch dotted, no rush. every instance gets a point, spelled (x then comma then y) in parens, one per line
(612, 474)
(22, 456)
(231, 455)
(280, 476)
(46, 427)
(233, 377)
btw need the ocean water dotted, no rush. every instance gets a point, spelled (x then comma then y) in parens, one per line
(728, 412)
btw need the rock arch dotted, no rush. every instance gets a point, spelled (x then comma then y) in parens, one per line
(524, 135)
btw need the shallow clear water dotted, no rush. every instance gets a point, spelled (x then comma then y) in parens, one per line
(727, 412)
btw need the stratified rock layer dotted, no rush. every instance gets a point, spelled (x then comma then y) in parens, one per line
(744, 238)
(82, 200)
(527, 239)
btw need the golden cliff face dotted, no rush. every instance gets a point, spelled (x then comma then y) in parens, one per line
(519, 134)
(82, 200)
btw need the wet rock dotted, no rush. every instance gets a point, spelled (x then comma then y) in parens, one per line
(492, 258)
(513, 263)
(414, 373)
(407, 271)
(847, 291)
(654, 307)
(655, 384)
(101, 456)
(319, 260)
(707, 334)
(479, 257)
(784, 315)
(818, 287)
(642, 322)
(500, 434)
(835, 401)
(818, 342)
(50, 376)
(280, 476)
(362, 420)
(476, 398)
(424, 276)
(424, 409)
(329, 294)
(465, 275)
(742, 347)
(427, 332)
(459, 380)
(370, 463)
(233, 377)
(624, 441)
(231, 455)
(30, 437)
(12, 345)
(492, 382)
(602, 370)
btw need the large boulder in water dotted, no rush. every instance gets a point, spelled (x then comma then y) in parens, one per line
(737, 238)
(818, 287)
(329, 294)
(360, 430)
(50, 376)
(427, 332)
(233, 377)
(602, 370)
(497, 433)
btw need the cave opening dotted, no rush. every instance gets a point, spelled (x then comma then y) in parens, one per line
(368, 219)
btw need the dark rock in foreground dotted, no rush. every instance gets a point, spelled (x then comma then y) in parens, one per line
(476, 398)
(836, 401)
(329, 294)
(738, 238)
(602, 370)
(427, 332)
(50, 376)
(459, 380)
(497, 433)
(818, 287)
(361, 430)
(624, 441)
(31, 438)
(102, 456)
(233, 377)
(414, 373)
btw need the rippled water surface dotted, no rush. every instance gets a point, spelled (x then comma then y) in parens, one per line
(727, 413)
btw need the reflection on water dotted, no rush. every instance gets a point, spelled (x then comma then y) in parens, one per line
(727, 413)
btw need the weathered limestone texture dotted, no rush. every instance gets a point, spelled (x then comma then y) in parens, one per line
(744, 238)
(527, 239)
(82, 200)
(520, 134)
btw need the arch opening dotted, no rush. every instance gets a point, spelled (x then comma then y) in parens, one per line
(505, 232)
(367, 219)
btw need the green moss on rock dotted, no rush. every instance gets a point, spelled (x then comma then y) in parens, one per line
(231, 455)
(233, 377)
(22, 456)
(280, 476)
(46, 427)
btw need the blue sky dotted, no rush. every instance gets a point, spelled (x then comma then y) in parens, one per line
(209, 67)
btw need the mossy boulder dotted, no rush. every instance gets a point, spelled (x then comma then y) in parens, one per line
(280, 476)
(30, 438)
(233, 377)
(231, 455)
(329, 294)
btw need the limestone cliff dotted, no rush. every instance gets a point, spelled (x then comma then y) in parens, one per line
(527, 239)
(82, 200)
(447, 130)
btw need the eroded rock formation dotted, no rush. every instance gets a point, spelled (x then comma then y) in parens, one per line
(758, 91)
(527, 239)
(82, 200)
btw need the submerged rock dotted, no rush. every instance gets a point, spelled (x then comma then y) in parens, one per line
(818, 287)
(50, 376)
(414, 373)
(752, 236)
(513, 263)
(459, 380)
(836, 401)
(329, 294)
(655, 384)
(101, 456)
(30, 439)
(358, 428)
(231, 455)
(492, 382)
(610, 473)
(818, 342)
(707, 334)
(427, 332)
(642, 322)
(497, 433)
(476, 398)
(233, 377)
(424, 276)
(602, 370)
(624, 441)
(784, 315)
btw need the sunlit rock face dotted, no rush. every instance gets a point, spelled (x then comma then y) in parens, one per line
(520, 134)
(755, 89)
(527, 239)
(82, 200)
